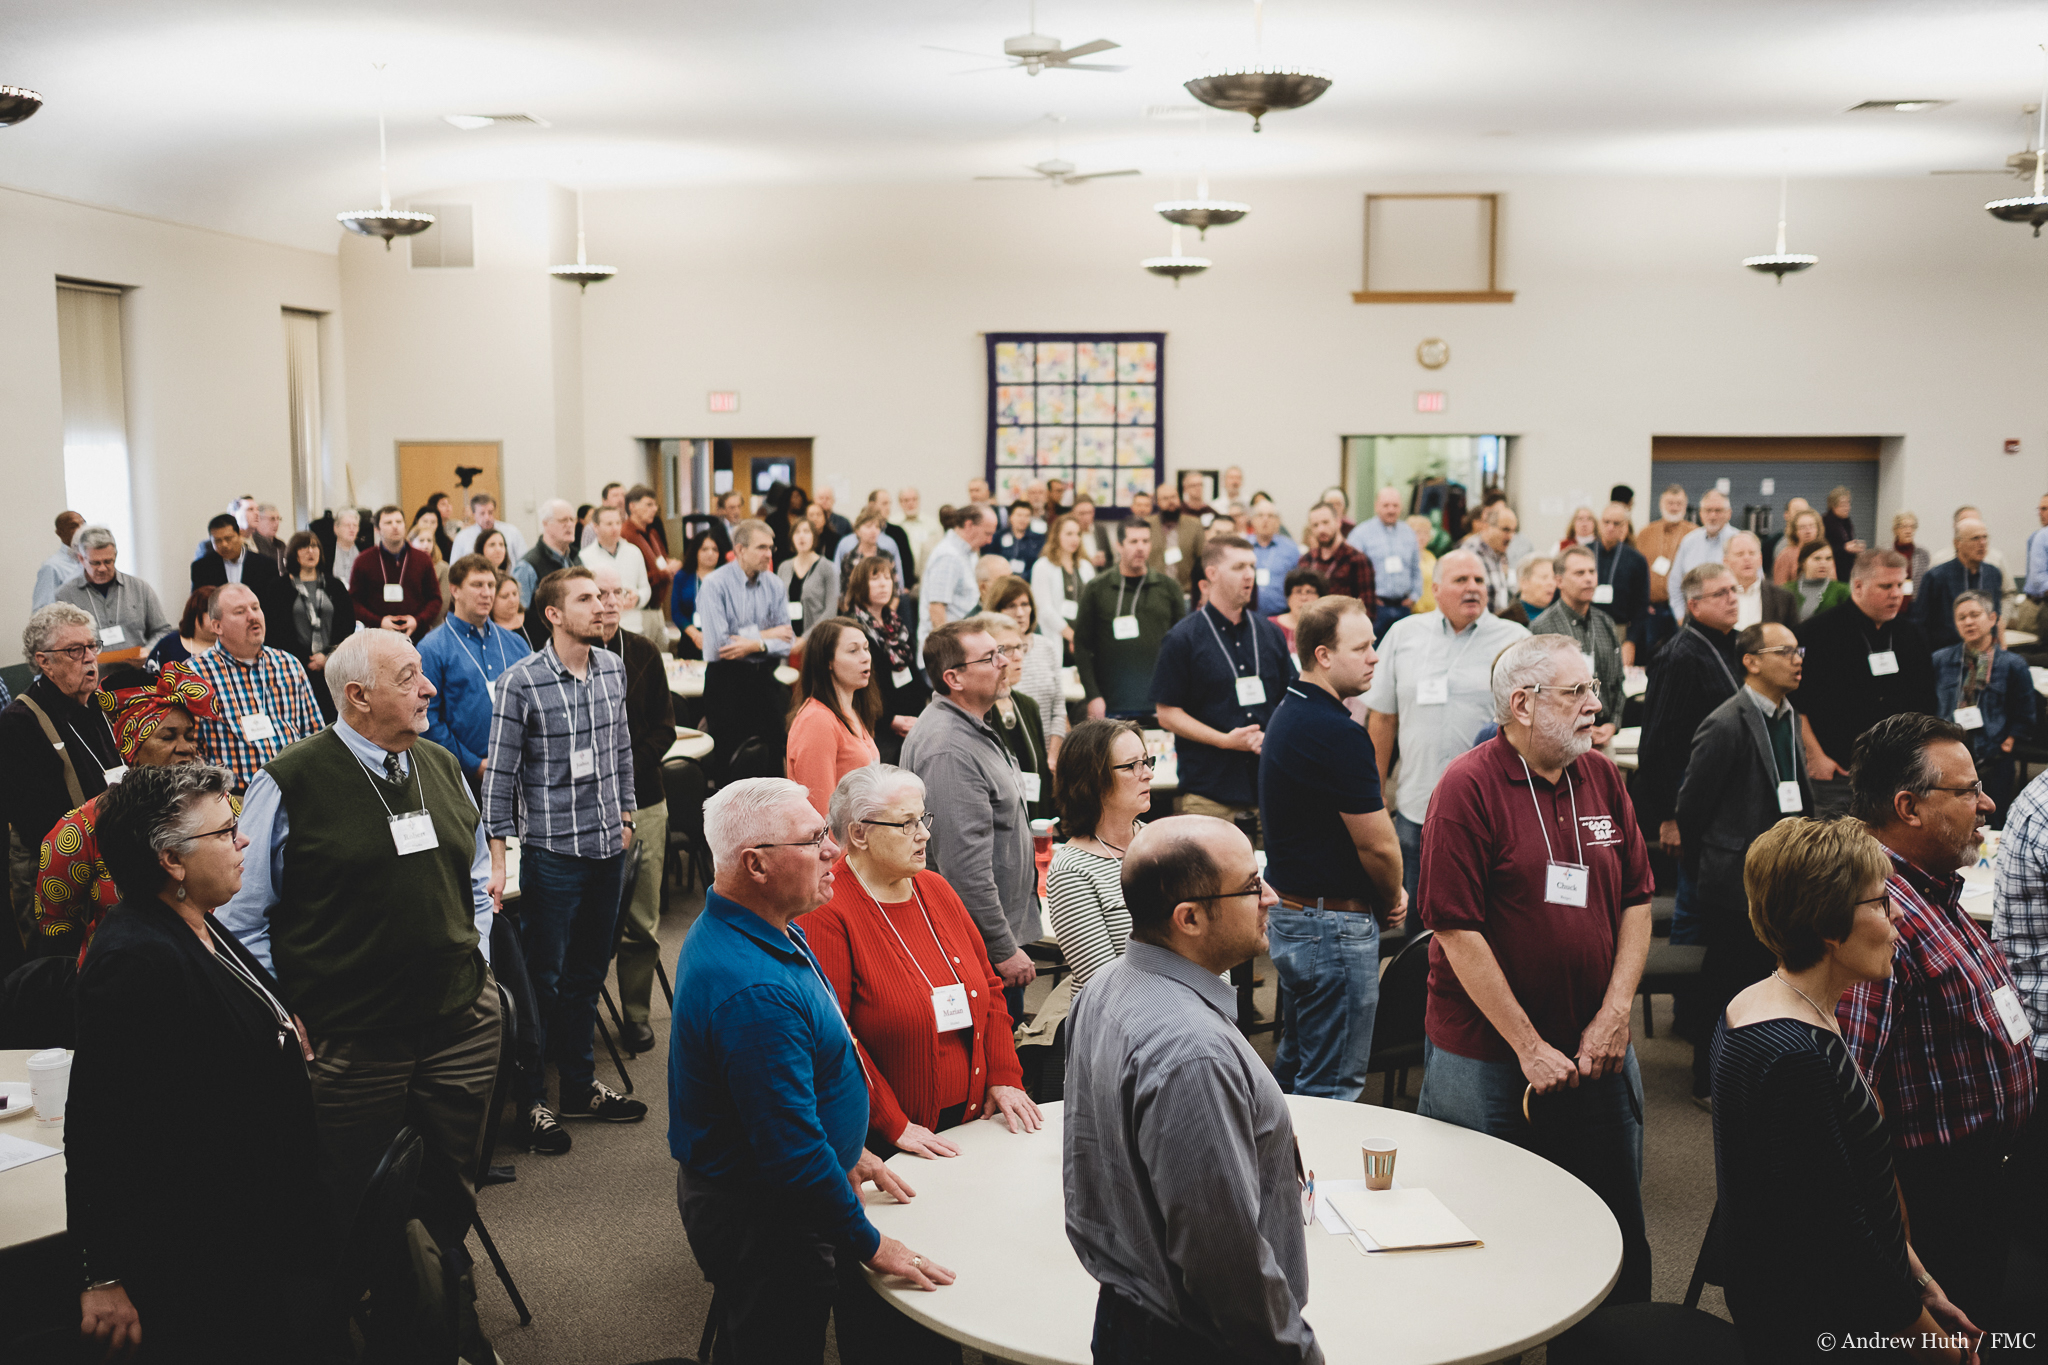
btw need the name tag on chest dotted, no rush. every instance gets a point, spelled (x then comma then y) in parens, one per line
(413, 833)
(1566, 884)
(1970, 717)
(950, 1009)
(900, 678)
(1124, 627)
(1433, 692)
(114, 774)
(1070, 609)
(257, 727)
(1661, 564)
(1788, 799)
(1251, 692)
(796, 615)
(582, 762)
(1603, 593)
(2012, 1015)
(111, 636)
(1883, 661)
(1028, 785)
(1393, 564)
(394, 592)
(1173, 554)
(1262, 576)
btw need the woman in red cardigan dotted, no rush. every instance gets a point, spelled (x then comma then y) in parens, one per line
(912, 975)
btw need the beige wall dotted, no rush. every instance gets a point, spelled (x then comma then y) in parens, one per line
(204, 356)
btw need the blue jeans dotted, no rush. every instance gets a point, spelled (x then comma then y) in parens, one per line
(1594, 1131)
(1687, 925)
(568, 923)
(1384, 618)
(1328, 962)
(1410, 835)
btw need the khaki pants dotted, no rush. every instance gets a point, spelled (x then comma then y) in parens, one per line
(438, 1079)
(640, 917)
(1191, 804)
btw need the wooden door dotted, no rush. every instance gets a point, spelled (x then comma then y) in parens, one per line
(762, 455)
(457, 468)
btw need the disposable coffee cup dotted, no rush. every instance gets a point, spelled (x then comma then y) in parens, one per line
(49, 1080)
(1379, 1156)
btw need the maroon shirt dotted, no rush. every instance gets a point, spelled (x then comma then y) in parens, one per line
(419, 587)
(1484, 867)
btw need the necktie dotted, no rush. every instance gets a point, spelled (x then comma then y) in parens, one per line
(391, 769)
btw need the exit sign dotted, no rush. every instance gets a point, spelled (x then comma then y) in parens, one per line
(725, 400)
(1428, 400)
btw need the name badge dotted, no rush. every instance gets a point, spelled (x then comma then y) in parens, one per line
(1587, 655)
(1565, 884)
(582, 762)
(796, 613)
(1788, 799)
(413, 833)
(1603, 593)
(1661, 564)
(1433, 692)
(111, 636)
(114, 774)
(256, 727)
(1907, 587)
(394, 592)
(1262, 577)
(1251, 692)
(1124, 627)
(1017, 566)
(1173, 553)
(1393, 564)
(2012, 1015)
(950, 1009)
(900, 678)
(1028, 785)
(1208, 517)
(1070, 610)
(1883, 661)
(1970, 717)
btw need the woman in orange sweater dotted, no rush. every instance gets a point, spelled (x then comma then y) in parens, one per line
(838, 705)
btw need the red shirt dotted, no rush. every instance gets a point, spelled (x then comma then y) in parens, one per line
(914, 1071)
(1484, 867)
(1347, 572)
(419, 594)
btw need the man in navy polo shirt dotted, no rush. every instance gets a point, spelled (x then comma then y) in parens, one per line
(1331, 854)
(1537, 882)
(768, 1105)
(1220, 674)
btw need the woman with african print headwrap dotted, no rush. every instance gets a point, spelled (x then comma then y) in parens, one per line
(153, 723)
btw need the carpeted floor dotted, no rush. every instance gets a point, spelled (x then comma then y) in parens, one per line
(595, 1244)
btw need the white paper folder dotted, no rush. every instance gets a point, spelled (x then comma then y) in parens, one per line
(1402, 1220)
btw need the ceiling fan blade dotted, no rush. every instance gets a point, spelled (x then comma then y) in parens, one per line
(1101, 175)
(1981, 170)
(1009, 177)
(1085, 66)
(977, 70)
(963, 52)
(1085, 49)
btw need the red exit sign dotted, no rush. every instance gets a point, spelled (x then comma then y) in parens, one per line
(725, 401)
(1428, 400)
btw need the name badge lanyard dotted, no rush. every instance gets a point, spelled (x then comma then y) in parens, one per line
(1732, 684)
(950, 1012)
(1137, 601)
(480, 658)
(288, 1032)
(858, 1054)
(412, 832)
(1569, 884)
(1254, 677)
(582, 762)
(1450, 664)
(113, 746)
(1789, 800)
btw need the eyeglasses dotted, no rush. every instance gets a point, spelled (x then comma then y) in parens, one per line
(815, 842)
(1577, 691)
(1257, 888)
(1148, 763)
(1716, 596)
(923, 822)
(1973, 791)
(1012, 651)
(1795, 651)
(995, 658)
(1884, 900)
(76, 653)
(231, 828)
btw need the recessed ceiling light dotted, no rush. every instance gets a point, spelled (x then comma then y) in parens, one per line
(1898, 106)
(471, 122)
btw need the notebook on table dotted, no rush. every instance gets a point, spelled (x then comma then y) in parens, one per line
(1402, 1220)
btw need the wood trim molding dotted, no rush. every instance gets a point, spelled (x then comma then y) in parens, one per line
(1493, 293)
(1433, 296)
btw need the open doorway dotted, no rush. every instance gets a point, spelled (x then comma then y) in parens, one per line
(1436, 474)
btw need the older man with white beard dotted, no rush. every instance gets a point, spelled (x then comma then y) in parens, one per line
(1537, 882)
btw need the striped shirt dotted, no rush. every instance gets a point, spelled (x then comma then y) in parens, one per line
(269, 692)
(546, 719)
(1929, 1038)
(1084, 897)
(729, 605)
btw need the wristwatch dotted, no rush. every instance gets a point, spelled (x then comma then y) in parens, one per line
(103, 1284)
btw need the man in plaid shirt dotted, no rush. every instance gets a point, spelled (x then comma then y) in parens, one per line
(262, 700)
(1944, 1042)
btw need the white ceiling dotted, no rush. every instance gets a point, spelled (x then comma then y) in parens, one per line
(258, 116)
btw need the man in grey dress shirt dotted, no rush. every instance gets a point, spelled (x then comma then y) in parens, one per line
(125, 608)
(1194, 1234)
(743, 611)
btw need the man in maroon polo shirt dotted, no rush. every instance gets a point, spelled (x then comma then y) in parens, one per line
(1536, 881)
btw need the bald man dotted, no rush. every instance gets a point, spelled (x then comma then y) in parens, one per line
(1396, 558)
(1934, 604)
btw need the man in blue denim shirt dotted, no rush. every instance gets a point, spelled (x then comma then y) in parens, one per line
(464, 657)
(1396, 559)
(768, 1103)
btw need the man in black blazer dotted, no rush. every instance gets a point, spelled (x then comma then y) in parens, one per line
(1746, 773)
(1757, 599)
(233, 560)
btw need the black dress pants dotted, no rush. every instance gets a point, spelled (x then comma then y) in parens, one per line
(1961, 1214)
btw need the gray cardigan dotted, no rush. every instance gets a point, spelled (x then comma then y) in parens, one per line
(981, 840)
(821, 591)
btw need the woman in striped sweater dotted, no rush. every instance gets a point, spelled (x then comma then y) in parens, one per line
(1104, 786)
(912, 975)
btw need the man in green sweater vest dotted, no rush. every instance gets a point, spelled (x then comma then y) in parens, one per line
(1123, 616)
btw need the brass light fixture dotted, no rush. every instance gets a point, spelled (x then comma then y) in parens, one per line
(1259, 89)
(385, 221)
(17, 104)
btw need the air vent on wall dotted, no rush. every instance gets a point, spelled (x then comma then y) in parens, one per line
(452, 243)
(1897, 106)
(471, 122)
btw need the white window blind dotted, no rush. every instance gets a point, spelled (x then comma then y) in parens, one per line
(95, 409)
(302, 380)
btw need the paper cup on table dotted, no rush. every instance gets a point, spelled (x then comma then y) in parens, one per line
(1379, 1156)
(49, 1078)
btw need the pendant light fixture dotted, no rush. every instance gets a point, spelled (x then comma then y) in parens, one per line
(2029, 208)
(17, 104)
(1780, 262)
(385, 221)
(1176, 266)
(1259, 89)
(582, 274)
(1202, 212)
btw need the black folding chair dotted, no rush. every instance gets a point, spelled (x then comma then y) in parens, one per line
(1669, 1333)
(1397, 1026)
(376, 1236)
(509, 1013)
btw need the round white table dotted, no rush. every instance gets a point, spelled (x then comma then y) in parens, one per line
(686, 676)
(1977, 903)
(995, 1216)
(691, 744)
(31, 1196)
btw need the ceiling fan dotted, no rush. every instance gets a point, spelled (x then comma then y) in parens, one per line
(1054, 169)
(1034, 51)
(2020, 165)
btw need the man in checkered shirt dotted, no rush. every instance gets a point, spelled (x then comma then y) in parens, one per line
(2019, 923)
(1944, 1041)
(261, 695)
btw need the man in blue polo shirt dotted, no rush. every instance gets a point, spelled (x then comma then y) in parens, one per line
(767, 1102)
(1219, 675)
(1331, 854)
(464, 658)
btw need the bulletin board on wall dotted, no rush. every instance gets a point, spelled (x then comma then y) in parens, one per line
(1086, 407)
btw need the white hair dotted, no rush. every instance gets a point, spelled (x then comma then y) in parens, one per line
(866, 790)
(93, 538)
(42, 627)
(742, 814)
(354, 660)
(1749, 536)
(557, 507)
(1530, 662)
